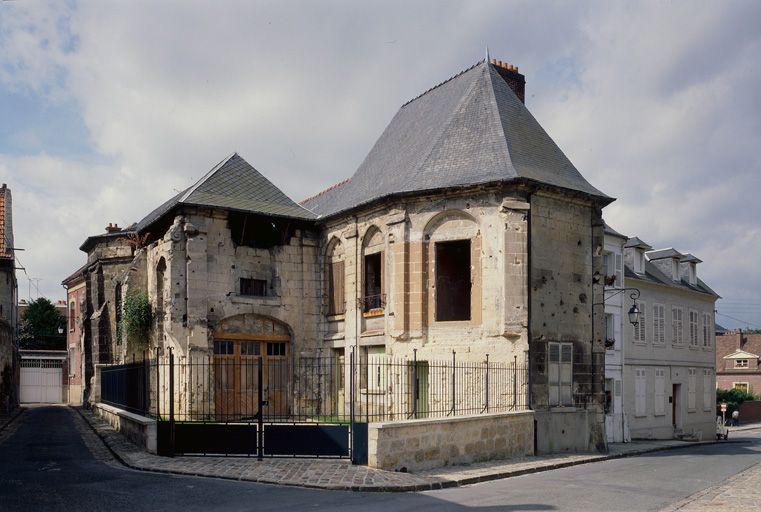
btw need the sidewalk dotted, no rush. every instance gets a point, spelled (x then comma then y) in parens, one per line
(738, 492)
(336, 474)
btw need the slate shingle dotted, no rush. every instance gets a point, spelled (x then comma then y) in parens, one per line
(233, 184)
(469, 130)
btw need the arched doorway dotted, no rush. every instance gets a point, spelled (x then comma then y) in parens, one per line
(240, 343)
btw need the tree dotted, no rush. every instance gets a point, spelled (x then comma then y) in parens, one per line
(733, 398)
(40, 324)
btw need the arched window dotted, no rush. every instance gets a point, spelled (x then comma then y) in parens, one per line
(72, 316)
(373, 296)
(453, 273)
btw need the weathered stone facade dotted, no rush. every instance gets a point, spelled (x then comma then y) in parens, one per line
(9, 369)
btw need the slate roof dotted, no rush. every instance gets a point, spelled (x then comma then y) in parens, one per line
(664, 253)
(636, 242)
(468, 130)
(612, 232)
(653, 275)
(235, 185)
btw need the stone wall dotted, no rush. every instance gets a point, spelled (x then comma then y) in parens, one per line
(201, 284)
(566, 251)
(495, 223)
(418, 445)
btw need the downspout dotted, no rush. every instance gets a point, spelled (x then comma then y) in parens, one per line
(529, 309)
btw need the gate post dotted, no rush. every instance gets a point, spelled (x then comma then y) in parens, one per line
(171, 402)
(414, 383)
(454, 387)
(260, 413)
(486, 405)
(515, 382)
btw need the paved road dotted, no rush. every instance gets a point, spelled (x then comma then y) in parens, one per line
(49, 460)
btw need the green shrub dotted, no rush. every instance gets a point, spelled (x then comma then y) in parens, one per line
(136, 319)
(733, 398)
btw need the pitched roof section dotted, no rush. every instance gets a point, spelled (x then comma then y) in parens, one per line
(235, 185)
(654, 275)
(636, 242)
(664, 253)
(469, 130)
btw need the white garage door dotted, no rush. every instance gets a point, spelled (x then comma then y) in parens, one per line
(41, 381)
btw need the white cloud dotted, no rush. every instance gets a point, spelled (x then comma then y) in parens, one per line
(655, 103)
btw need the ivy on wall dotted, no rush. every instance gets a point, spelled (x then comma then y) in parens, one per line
(136, 319)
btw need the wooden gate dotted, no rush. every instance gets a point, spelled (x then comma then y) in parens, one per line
(236, 384)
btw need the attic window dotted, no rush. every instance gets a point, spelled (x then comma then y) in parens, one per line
(453, 281)
(253, 287)
(741, 363)
(257, 232)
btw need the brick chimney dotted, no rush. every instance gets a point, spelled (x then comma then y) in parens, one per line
(515, 80)
(113, 228)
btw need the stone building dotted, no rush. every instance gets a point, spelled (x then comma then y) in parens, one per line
(466, 230)
(669, 379)
(8, 301)
(94, 291)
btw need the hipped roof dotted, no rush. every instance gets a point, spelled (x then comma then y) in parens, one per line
(233, 184)
(470, 130)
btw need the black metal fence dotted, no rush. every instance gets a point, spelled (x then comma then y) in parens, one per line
(230, 389)
(127, 386)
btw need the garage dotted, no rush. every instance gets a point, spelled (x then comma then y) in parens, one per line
(42, 379)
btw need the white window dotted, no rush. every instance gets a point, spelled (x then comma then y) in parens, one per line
(619, 270)
(741, 386)
(741, 363)
(659, 324)
(693, 316)
(708, 390)
(640, 390)
(691, 389)
(610, 331)
(707, 324)
(677, 332)
(660, 392)
(560, 373)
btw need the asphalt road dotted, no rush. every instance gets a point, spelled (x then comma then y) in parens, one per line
(45, 465)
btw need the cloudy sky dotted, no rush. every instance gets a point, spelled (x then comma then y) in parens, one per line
(108, 108)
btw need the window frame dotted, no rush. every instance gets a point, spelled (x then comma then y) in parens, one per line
(564, 393)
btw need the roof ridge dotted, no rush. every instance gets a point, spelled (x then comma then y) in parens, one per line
(442, 83)
(324, 191)
(205, 177)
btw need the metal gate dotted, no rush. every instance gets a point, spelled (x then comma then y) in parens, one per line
(42, 381)
(253, 435)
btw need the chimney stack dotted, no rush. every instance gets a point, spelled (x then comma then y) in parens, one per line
(113, 228)
(515, 80)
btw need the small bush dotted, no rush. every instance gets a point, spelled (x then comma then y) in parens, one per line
(136, 318)
(733, 398)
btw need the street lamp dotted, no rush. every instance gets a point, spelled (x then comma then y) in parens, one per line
(634, 311)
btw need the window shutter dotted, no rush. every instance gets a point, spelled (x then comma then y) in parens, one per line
(660, 392)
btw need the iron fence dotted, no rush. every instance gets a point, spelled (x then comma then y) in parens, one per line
(321, 389)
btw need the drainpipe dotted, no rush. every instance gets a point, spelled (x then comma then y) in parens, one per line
(358, 297)
(529, 309)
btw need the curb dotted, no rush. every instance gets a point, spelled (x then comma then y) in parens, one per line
(432, 486)
(18, 411)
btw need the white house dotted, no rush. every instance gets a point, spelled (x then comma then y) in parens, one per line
(615, 425)
(669, 356)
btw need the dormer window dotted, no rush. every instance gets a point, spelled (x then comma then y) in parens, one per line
(639, 261)
(675, 270)
(741, 363)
